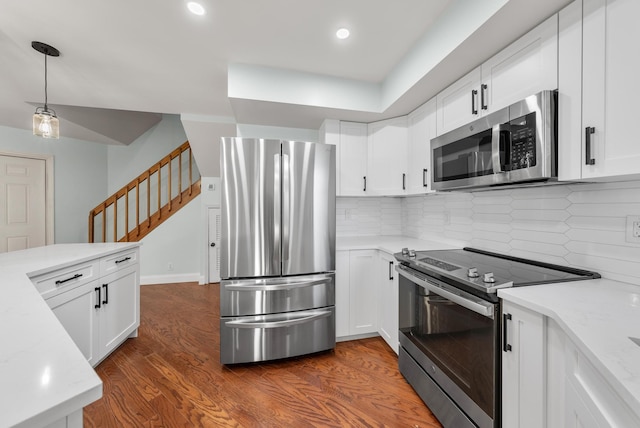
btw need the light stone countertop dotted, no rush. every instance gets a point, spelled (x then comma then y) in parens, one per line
(598, 316)
(390, 244)
(43, 375)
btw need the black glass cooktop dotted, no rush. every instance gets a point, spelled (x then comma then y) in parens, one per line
(504, 271)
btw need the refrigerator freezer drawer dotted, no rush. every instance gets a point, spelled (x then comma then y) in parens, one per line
(271, 337)
(273, 295)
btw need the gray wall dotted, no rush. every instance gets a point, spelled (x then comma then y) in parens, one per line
(127, 162)
(80, 177)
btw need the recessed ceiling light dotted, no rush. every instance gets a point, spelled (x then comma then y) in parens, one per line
(195, 8)
(342, 33)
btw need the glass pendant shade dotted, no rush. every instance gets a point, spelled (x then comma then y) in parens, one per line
(45, 123)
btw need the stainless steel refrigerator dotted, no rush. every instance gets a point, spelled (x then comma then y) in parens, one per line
(277, 255)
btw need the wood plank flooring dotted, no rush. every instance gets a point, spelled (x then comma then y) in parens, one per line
(170, 376)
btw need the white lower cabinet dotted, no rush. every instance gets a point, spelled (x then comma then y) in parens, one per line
(356, 293)
(522, 367)
(101, 314)
(76, 312)
(363, 292)
(119, 310)
(388, 300)
(547, 381)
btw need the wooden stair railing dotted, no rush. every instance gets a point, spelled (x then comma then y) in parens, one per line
(161, 195)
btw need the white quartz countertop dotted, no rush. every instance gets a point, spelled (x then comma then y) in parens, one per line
(599, 316)
(390, 244)
(43, 375)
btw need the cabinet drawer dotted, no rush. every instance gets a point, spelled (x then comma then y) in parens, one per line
(118, 261)
(273, 295)
(270, 337)
(61, 280)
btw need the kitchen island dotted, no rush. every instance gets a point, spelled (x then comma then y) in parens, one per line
(44, 377)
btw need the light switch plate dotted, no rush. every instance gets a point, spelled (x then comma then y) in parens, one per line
(633, 229)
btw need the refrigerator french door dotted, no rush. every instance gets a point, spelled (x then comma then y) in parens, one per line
(277, 249)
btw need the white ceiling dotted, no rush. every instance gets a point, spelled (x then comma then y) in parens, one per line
(123, 58)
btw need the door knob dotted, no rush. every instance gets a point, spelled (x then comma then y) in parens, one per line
(213, 244)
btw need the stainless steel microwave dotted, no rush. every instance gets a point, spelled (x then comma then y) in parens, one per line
(516, 144)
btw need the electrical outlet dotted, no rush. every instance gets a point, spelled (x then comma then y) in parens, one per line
(633, 229)
(170, 266)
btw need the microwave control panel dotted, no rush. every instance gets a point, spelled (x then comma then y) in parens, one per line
(523, 142)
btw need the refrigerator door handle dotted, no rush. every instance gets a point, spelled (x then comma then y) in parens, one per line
(276, 287)
(277, 221)
(277, 324)
(286, 201)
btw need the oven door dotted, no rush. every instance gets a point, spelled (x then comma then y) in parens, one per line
(449, 349)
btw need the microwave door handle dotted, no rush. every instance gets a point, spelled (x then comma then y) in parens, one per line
(496, 149)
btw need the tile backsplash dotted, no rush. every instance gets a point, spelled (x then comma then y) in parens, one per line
(580, 225)
(368, 216)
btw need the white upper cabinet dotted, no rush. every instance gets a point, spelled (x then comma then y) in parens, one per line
(601, 78)
(352, 159)
(526, 67)
(459, 103)
(388, 149)
(422, 128)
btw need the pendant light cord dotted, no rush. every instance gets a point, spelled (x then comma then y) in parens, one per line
(45, 81)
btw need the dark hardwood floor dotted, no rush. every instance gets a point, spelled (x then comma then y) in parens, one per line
(170, 376)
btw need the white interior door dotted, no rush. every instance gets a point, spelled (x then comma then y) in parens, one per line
(23, 196)
(214, 244)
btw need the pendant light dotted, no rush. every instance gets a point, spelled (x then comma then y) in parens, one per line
(45, 121)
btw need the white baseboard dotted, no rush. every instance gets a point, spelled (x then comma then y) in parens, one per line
(168, 279)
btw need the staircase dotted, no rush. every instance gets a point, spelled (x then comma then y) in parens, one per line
(146, 202)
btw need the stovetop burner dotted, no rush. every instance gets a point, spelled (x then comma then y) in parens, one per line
(486, 271)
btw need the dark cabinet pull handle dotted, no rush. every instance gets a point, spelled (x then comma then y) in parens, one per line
(62, 281)
(474, 95)
(483, 89)
(213, 244)
(97, 305)
(588, 131)
(404, 181)
(365, 184)
(123, 260)
(391, 270)
(505, 346)
(106, 294)
(424, 177)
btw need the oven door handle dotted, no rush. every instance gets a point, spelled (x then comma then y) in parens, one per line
(459, 297)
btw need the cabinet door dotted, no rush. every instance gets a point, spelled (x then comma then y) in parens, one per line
(120, 308)
(363, 292)
(388, 300)
(526, 67)
(387, 150)
(577, 413)
(422, 128)
(77, 313)
(342, 293)
(352, 159)
(611, 66)
(459, 103)
(523, 359)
